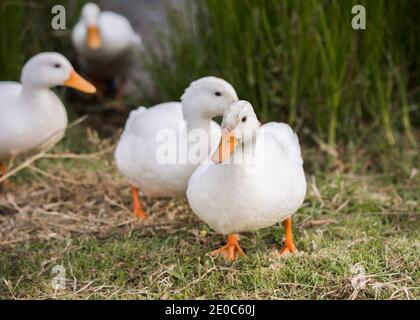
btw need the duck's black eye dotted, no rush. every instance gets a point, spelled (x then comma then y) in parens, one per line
(244, 119)
(217, 93)
(57, 65)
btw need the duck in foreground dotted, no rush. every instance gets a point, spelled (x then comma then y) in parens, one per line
(255, 179)
(106, 44)
(32, 117)
(172, 126)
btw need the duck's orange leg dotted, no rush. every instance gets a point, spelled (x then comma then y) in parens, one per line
(232, 250)
(289, 246)
(3, 168)
(3, 171)
(137, 207)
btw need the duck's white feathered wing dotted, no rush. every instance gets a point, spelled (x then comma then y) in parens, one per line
(29, 124)
(139, 145)
(281, 176)
(287, 140)
(8, 124)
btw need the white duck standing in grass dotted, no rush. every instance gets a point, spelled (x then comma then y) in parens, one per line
(254, 180)
(138, 153)
(32, 117)
(105, 43)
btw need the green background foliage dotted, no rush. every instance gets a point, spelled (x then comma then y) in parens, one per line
(301, 61)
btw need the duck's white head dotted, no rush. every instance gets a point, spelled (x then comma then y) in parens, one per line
(240, 124)
(50, 69)
(90, 18)
(208, 97)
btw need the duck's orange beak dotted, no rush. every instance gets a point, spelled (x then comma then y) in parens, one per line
(93, 37)
(77, 82)
(226, 147)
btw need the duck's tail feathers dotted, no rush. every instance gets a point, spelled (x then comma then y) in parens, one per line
(133, 117)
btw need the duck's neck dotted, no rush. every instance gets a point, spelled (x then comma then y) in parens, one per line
(30, 91)
(200, 134)
(194, 113)
(198, 122)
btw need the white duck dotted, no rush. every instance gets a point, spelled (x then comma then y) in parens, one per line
(32, 117)
(140, 153)
(105, 42)
(254, 180)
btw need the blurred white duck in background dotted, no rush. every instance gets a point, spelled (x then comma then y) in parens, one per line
(32, 117)
(106, 44)
(138, 149)
(254, 180)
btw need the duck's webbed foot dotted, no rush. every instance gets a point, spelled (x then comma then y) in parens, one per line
(231, 251)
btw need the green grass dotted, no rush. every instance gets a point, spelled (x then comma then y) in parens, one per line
(377, 226)
(174, 265)
(301, 61)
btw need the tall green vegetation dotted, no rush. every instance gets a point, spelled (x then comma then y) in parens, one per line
(302, 62)
(25, 29)
(12, 34)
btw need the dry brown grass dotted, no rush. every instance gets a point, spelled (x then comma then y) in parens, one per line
(59, 203)
(75, 210)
